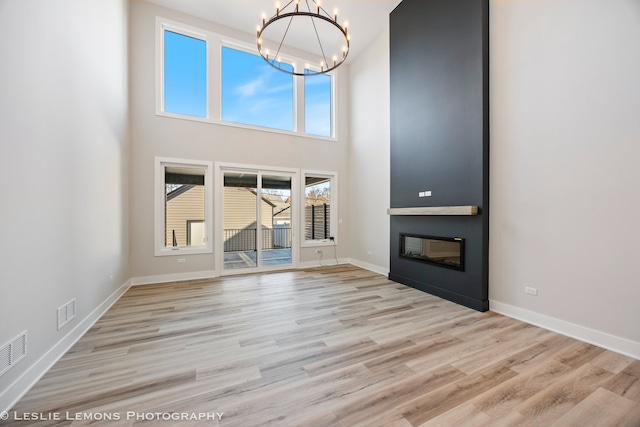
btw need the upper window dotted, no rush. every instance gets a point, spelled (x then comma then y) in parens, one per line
(203, 76)
(185, 75)
(255, 93)
(317, 105)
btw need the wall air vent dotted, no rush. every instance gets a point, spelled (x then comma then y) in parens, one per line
(66, 313)
(12, 352)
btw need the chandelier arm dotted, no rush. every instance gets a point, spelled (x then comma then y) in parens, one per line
(324, 56)
(283, 37)
(286, 5)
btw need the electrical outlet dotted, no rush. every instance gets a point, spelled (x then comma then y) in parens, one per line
(530, 291)
(318, 251)
(181, 260)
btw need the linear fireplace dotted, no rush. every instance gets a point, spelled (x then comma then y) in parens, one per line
(443, 251)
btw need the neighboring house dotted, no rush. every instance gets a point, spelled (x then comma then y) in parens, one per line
(184, 216)
(281, 209)
(240, 209)
(240, 220)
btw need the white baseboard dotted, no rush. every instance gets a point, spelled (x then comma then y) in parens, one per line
(371, 267)
(326, 262)
(582, 333)
(12, 394)
(177, 277)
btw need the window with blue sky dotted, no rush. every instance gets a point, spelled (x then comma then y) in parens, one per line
(317, 105)
(255, 93)
(251, 91)
(185, 75)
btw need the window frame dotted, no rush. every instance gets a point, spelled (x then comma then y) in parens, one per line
(215, 42)
(163, 25)
(333, 214)
(160, 248)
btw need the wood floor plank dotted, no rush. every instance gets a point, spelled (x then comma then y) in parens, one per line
(432, 404)
(562, 395)
(594, 408)
(627, 382)
(334, 346)
(464, 414)
(386, 400)
(499, 401)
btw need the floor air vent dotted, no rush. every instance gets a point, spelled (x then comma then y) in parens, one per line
(12, 352)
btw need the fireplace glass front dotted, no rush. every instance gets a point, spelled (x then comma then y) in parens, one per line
(443, 251)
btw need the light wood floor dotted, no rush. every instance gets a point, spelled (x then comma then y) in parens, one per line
(336, 346)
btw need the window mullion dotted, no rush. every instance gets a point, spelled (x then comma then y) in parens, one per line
(215, 79)
(298, 105)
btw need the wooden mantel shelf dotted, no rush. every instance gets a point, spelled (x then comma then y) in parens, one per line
(435, 210)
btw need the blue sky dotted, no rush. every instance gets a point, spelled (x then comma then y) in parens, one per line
(252, 91)
(317, 105)
(185, 75)
(255, 93)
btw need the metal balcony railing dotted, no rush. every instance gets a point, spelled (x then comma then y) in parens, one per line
(244, 239)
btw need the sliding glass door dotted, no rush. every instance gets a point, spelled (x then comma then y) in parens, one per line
(257, 220)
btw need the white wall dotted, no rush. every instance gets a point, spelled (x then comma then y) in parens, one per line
(369, 156)
(565, 150)
(168, 137)
(64, 145)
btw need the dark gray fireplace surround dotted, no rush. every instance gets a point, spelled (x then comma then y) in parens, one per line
(440, 140)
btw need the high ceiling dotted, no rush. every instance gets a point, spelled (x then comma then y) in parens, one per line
(367, 18)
